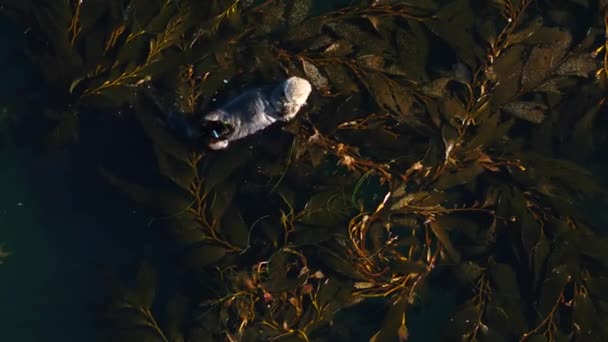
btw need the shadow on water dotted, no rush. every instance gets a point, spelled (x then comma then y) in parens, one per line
(61, 222)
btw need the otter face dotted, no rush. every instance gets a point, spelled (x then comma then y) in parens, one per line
(216, 131)
(296, 91)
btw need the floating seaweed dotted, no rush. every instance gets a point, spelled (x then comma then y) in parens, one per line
(442, 135)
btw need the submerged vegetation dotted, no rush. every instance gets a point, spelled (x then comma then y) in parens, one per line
(442, 140)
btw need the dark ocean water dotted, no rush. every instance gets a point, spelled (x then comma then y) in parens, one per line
(59, 223)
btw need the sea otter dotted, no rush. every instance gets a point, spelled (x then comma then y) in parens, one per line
(255, 110)
(248, 113)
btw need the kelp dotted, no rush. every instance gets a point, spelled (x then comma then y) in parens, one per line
(442, 135)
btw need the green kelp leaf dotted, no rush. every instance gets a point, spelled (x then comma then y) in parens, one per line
(539, 259)
(325, 208)
(94, 54)
(504, 280)
(341, 79)
(421, 199)
(393, 327)
(234, 228)
(145, 284)
(307, 29)
(462, 322)
(565, 255)
(506, 299)
(168, 202)
(404, 220)
(223, 197)
(595, 247)
(582, 65)
(399, 266)
(533, 26)
(142, 11)
(432, 110)
(129, 318)
(582, 135)
(413, 48)
(498, 320)
(455, 23)
(282, 275)
(544, 60)
(459, 176)
(175, 312)
(530, 111)
(177, 171)
(321, 42)
(281, 283)
(569, 174)
(506, 74)
(551, 289)
(133, 50)
(531, 231)
(91, 13)
(315, 77)
(468, 272)
(270, 232)
(537, 338)
(547, 36)
(486, 29)
(584, 313)
(453, 108)
(390, 95)
(340, 265)
(272, 18)
(597, 286)
(213, 82)
(328, 291)
(436, 88)
(365, 41)
(490, 131)
(161, 23)
(556, 85)
(339, 48)
(449, 136)
(304, 235)
(205, 255)
(66, 130)
(443, 236)
(225, 165)
(161, 135)
(371, 62)
(298, 11)
(469, 226)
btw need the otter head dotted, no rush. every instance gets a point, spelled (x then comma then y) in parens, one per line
(216, 129)
(295, 91)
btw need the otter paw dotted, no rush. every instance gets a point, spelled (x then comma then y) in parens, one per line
(218, 145)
